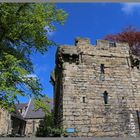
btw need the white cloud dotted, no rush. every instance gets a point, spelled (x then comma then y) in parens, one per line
(130, 8)
(49, 31)
(31, 76)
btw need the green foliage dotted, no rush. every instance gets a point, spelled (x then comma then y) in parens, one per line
(14, 81)
(42, 103)
(23, 25)
(24, 29)
(47, 129)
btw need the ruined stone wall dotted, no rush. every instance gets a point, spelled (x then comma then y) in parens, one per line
(31, 127)
(5, 123)
(84, 85)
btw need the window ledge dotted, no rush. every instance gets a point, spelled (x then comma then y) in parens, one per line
(107, 105)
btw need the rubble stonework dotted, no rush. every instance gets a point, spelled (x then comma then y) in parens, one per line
(97, 90)
(11, 123)
(31, 126)
(4, 123)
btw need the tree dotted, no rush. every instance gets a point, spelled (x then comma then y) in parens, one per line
(24, 29)
(129, 35)
(47, 129)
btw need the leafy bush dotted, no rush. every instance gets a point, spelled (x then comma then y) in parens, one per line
(47, 129)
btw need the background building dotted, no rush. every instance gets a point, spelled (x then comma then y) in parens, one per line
(11, 124)
(33, 117)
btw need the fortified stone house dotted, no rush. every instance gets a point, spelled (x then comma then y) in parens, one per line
(97, 89)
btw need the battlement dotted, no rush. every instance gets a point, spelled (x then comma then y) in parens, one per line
(101, 44)
(102, 48)
(105, 44)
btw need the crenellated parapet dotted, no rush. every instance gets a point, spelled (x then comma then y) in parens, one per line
(83, 46)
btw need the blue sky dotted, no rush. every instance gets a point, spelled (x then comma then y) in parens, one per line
(92, 20)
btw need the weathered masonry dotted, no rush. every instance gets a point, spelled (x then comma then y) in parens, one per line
(97, 89)
(11, 123)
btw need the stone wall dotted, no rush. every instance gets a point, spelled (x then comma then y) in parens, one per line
(11, 125)
(86, 73)
(31, 127)
(5, 123)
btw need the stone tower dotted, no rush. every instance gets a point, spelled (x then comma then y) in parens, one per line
(96, 89)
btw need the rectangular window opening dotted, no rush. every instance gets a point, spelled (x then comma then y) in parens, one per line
(112, 44)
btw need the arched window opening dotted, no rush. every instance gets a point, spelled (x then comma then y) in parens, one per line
(84, 99)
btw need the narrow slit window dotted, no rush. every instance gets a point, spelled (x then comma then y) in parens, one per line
(102, 68)
(84, 99)
(81, 57)
(105, 95)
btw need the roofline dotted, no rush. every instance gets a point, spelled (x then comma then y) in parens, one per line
(27, 108)
(14, 116)
(34, 118)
